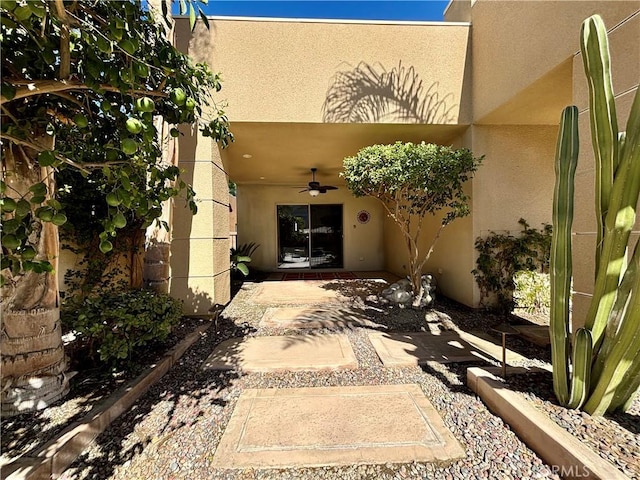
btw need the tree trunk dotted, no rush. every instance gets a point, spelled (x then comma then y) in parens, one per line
(31, 349)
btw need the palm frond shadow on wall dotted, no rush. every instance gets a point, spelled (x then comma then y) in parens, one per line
(371, 94)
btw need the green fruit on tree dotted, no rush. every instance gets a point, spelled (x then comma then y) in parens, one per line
(59, 219)
(190, 103)
(112, 199)
(129, 146)
(81, 121)
(28, 253)
(106, 246)
(145, 104)
(178, 96)
(134, 125)
(45, 214)
(105, 106)
(10, 241)
(119, 221)
(141, 69)
(8, 204)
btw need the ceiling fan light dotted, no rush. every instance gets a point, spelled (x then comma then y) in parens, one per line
(314, 192)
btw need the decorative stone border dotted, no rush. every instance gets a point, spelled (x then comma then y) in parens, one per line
(60, 452)
(567, 456)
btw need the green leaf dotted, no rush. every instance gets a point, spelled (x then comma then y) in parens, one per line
(46, 158)
(243, 269)
(38, 188)
(22, 13)
(204, 18)
(192, 17)
(8, 91)
(10, 226)
(106, 246)
(22, 208)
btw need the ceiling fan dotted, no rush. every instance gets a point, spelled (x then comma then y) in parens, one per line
(314, 188)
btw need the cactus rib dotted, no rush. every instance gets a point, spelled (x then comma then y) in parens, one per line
(561, 266)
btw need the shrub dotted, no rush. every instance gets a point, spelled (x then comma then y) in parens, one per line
(532, 291)
(500, 256)
(116, 324)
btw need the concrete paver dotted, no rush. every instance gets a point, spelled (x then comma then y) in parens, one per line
(314, 318)
(416, 348)
(282, 428)
(286, 352)
(297, 292)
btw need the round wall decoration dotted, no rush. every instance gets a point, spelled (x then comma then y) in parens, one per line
(363, 216)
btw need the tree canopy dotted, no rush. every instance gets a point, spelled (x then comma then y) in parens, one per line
(83, 87)
(412, 181)
(91, 93)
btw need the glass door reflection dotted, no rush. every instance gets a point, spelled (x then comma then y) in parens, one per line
(326, 236)
(293, 236)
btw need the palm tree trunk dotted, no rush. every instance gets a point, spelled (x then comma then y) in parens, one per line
(33, 362)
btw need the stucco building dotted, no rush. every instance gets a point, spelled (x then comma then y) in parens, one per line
(494, 77)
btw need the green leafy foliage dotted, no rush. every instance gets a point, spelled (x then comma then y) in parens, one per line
(119, 324)
(85, 86)
(500, 256)
(532, 291)
(241, 256)
(413, 181)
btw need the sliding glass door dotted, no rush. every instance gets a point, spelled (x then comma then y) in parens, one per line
(310, 236)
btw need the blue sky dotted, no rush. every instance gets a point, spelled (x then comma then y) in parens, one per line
(420, 10)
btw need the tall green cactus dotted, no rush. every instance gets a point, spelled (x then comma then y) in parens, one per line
(605, 363)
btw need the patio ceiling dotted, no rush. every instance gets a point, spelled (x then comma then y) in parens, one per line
(283, 153)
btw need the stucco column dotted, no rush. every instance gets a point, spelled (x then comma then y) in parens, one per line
(200, 243)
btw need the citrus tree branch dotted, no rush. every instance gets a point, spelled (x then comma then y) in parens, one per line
(43, 87)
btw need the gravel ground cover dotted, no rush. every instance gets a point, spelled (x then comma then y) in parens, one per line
(173, 430)
(24, 434)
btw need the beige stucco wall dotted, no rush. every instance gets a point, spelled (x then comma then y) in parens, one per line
(257, 222)
(625, 62)
(279, 71)
(509, 76)
(515, 43)
(515, 181)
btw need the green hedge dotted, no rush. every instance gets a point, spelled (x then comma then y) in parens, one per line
(117, 324)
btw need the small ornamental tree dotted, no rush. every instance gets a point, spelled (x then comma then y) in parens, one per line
(413, 181)
(87, 87)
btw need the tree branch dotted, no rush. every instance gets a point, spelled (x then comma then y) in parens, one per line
(65, 41)
(42, 148)
(43, 87)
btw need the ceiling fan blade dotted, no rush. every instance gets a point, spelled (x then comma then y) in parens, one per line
(314, 185)
(329, 187)
(305, 190)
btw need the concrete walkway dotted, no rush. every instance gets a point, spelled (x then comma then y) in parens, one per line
(305, 427)
(287, 352)
(334, 426)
